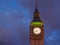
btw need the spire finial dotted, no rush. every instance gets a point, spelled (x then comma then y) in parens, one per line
(36, 7)
(36, 3)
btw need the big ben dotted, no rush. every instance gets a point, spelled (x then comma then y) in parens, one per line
(36, 29)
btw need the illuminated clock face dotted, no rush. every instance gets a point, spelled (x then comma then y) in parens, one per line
(37, 30)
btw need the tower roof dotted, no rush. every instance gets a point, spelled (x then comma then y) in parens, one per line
(36, 17)
(36, 7)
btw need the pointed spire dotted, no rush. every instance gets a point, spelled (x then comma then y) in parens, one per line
(36, 7)
(36, 3)
(36, 16)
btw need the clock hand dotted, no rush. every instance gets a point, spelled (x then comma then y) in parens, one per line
(36, 31)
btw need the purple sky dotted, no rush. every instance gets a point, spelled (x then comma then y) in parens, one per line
(15, 17)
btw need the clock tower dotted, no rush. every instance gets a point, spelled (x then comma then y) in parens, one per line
(36, 29)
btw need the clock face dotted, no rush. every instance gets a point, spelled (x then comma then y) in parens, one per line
(37, 30)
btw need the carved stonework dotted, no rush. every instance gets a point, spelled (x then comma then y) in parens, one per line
(36, 39)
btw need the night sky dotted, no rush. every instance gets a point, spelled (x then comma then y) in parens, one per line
(15, 18)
